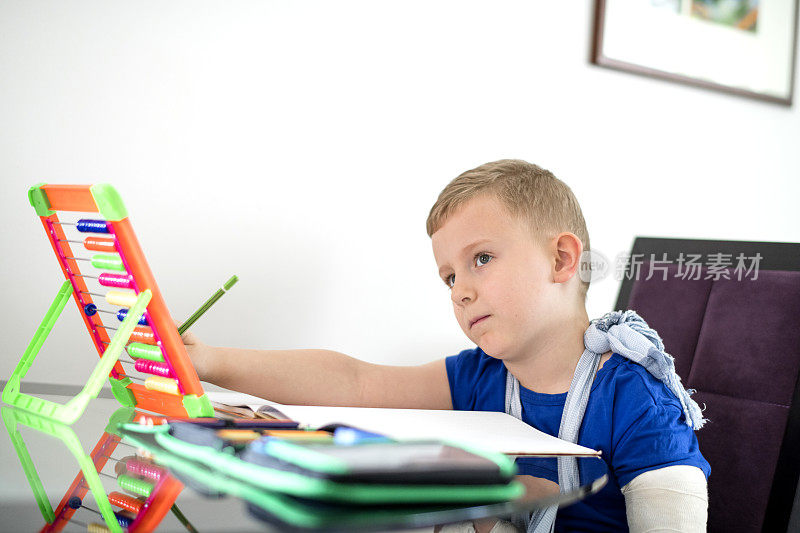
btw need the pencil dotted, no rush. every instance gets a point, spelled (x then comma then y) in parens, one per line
(206, 306)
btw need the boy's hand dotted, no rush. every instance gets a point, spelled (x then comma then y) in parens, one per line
(199, 352)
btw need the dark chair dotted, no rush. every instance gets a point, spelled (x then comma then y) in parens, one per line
(737, 342)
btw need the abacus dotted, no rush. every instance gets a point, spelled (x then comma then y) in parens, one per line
(155, 346)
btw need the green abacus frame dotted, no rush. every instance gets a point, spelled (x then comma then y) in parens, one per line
(71, 411)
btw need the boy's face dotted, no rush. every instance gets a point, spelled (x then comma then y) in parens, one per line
(497, 271)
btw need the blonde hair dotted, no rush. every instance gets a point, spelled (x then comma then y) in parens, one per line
(530, 193)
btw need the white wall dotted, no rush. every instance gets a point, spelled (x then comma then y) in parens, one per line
(300, 145)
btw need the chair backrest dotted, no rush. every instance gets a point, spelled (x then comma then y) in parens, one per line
(732, 322)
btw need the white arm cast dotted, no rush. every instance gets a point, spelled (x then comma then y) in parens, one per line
(674, 498)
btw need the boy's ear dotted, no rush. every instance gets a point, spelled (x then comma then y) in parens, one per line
(568, 249)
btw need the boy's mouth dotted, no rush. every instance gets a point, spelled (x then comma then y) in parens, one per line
(477, 320)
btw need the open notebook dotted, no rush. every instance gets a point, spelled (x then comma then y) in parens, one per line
(488, 430)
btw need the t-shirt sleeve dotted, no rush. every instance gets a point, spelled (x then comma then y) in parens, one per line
(650, 430)
(462, 373)
(476, 380)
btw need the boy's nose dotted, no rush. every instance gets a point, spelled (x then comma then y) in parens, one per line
(462, 293)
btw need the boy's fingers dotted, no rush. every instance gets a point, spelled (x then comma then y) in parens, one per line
(178, 325)
(186, 337)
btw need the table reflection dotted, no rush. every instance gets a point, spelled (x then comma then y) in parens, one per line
(144, 493)
(148, 480)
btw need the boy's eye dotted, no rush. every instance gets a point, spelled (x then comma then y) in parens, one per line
(482, 258)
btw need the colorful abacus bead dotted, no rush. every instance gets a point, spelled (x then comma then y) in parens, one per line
(122, 313)
(138, 350)
(121, 298)
(139, 487)
(124, 501)
(99, 244)
(87, 225)
(143, 335)
(143, 469)
(158, 383)
(153, 367)
(108, 262)
(124, 521)
(94, 527)
(74, 502)
(115, 280)
(90, 309)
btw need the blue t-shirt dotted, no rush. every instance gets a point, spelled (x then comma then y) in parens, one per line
(632, 417)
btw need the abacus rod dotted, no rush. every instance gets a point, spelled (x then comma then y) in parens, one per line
(85, 276)
(69, 240)
(93, 294)
(86, 526)
(66, 223)
(78, 258)
(90, 509)
(107, 327)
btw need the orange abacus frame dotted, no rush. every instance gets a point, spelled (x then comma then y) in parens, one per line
(104, 200)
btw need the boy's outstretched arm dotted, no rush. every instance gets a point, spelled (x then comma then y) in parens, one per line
(320, 377)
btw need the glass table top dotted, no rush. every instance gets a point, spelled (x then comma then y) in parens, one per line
(49, 468)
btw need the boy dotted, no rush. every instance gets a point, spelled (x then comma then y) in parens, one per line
(508, 238)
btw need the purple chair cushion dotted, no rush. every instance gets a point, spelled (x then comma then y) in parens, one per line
(674, 308)
(738, 344)
(749, 346)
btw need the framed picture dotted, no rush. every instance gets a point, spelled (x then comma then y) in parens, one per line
(744, 47)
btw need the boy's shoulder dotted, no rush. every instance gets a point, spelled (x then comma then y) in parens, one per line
(645, 421)
(632, 384)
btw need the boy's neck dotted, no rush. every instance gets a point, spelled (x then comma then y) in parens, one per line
(549, 367)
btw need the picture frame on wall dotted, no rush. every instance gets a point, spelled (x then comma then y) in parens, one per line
(742, 47)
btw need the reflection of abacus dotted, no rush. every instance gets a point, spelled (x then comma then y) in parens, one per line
(146, 493)
(172, 387)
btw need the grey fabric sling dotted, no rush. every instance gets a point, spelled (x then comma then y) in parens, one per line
(627, 334)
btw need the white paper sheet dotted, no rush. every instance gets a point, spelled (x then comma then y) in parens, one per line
(488, 430)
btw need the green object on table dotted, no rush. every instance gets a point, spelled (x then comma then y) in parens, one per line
(74, 408)
(206, 306)
(293, 483)
(12, 418)
(297, 513)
